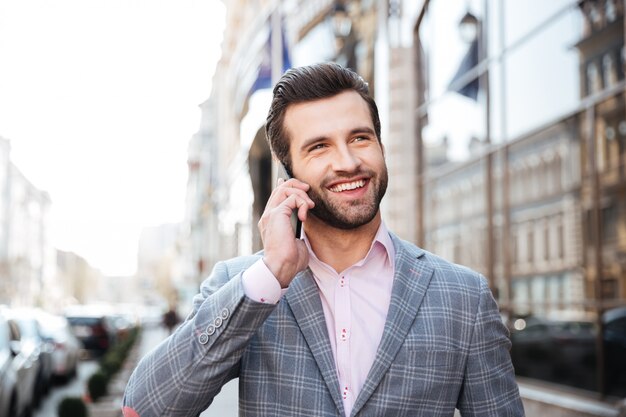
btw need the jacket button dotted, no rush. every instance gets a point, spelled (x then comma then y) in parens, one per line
(218, 322)
(210, 329)
(204, 338)
(225, 313)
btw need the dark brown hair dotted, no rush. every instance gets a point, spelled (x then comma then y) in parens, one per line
(311, 83)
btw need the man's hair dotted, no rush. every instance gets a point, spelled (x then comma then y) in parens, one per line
(311, 83)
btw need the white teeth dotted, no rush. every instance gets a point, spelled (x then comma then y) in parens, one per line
(348, 186)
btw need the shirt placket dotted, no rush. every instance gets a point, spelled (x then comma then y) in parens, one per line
(343, 328)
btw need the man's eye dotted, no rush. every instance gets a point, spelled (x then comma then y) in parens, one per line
(317, 146)
(361, 138)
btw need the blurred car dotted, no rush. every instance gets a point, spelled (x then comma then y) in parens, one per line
(565, 351)
(26, 365)
(66, 348)
(8, 376)
(614, 322)
(556, 351)
(34, 344)
(93, 328)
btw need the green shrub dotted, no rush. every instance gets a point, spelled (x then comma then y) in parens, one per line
(72, 407)
(97, 385)
(112, 363)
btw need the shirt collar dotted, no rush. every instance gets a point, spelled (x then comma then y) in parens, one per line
(381, 239)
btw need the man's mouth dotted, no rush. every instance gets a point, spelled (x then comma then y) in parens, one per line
(347, 186)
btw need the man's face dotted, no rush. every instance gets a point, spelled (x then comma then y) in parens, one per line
(334, 149)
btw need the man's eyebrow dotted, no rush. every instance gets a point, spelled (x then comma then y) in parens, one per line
(311, 141)
(355, 131)
(363, 129)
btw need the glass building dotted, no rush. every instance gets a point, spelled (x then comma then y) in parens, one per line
(521, 169)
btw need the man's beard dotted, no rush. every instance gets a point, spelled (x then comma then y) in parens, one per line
(359, 212)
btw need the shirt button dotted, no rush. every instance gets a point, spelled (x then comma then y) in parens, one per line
(218, 322)
(225, 313)
(210, 329)
(204, 338)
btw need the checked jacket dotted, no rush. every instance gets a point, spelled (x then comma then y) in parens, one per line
(444, 346)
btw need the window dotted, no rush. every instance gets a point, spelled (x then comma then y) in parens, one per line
(609, 220)
(594, 83)
(560, 230)
(609, 11)
(609, 289)
(546, 241)
(529, 244)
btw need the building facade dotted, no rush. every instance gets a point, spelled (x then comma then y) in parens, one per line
(528, 99)
(27, 263)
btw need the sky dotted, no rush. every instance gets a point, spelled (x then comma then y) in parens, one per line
(99, 99)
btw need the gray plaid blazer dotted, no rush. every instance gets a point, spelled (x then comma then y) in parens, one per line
(444, 346)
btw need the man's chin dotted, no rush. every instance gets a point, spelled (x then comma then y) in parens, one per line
(342, 222)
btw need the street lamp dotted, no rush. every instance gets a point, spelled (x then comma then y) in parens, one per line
(342, 24)
(345, 36)
(468, 27)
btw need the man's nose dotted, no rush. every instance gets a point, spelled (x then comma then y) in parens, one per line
(346, 160)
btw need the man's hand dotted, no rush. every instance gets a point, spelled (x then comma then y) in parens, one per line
(285, 255)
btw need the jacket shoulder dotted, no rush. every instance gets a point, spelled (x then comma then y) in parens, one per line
(443, 269)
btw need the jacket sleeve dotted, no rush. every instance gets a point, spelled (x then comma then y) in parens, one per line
(489, 387)
(182, 375)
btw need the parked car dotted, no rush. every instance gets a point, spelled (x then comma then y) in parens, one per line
(26, 365)
(66, 348)
(93, 328)
(614, 322)
(34, 344)
(556, 351)
(566, 351)
(8, 376)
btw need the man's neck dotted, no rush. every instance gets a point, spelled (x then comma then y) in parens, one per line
(340, 248)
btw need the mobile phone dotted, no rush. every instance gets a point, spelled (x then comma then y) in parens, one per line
(295, 220)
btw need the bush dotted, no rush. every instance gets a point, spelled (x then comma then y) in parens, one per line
(72, 407)
(112, 363)
(97, 385)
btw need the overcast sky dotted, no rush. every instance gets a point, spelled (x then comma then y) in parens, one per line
(99, 99)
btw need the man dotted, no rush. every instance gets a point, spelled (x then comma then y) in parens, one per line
(347, 321)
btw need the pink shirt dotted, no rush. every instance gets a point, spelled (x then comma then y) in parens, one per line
(355, 303)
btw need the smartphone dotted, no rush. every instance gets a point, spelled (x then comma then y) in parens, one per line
(295, 220)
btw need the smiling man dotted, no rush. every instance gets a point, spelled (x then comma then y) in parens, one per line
(347, 319)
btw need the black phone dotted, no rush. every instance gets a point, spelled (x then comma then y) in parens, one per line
(295, 220)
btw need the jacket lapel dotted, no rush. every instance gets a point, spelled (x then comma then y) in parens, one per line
(412, 276)
(304, 300)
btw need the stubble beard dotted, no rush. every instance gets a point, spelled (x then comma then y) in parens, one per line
(356, 213)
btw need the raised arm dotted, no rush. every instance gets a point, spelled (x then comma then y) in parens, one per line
(182, 375)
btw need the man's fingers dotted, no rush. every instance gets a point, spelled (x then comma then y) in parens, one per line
(294, 183)
(281, 193)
